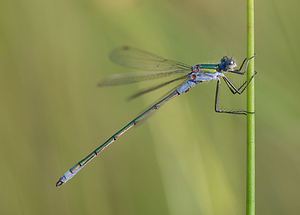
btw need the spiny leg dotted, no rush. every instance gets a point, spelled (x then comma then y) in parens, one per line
(223, 111)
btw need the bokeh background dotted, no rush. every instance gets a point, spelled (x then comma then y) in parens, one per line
(185, 159)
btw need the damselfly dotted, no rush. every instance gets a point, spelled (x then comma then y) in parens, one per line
(192, 75)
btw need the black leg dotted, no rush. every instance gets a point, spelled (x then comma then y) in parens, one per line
(234, 90)
(231, 89)
(238, 70)
(223, 111)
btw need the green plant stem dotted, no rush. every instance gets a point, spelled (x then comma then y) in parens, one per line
(250, 200)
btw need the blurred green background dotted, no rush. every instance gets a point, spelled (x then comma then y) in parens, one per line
(185, 159)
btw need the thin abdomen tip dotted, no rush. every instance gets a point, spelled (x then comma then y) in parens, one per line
(59, 183)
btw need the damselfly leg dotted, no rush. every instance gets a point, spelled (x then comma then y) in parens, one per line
(237, 71)
(234, 89)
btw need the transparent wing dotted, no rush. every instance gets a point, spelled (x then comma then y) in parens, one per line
(142, 60)
(120, 79)
(138, 59)
(140, 93)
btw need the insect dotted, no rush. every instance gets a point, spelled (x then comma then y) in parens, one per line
(191, 75)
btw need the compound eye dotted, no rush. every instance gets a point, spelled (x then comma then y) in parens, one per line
(224, 59)
(230, 64)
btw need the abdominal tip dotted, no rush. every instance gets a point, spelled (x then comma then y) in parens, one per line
(59, 183)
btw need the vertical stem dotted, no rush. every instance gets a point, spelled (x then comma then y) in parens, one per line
(250, 202)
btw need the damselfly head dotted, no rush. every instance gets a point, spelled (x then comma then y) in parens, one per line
(229, 62)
